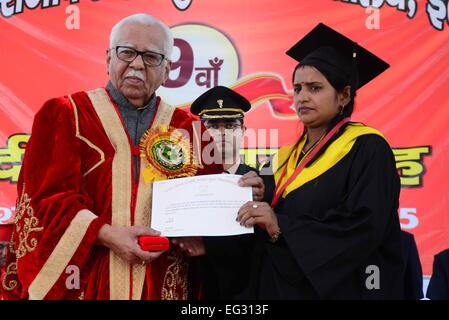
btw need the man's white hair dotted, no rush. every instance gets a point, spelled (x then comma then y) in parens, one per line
(146, 20)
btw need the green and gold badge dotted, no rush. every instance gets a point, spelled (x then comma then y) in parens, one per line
(167, 153)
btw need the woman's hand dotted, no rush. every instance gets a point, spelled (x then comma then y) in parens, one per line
(123, 242)
(259, 213)
(251, 179)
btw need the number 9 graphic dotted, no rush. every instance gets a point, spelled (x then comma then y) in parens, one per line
(184, 64)
(202, 57)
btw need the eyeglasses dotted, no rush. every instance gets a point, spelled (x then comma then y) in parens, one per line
(150, 58)
(227, 126)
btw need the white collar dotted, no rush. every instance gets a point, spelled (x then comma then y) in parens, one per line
(235, 166)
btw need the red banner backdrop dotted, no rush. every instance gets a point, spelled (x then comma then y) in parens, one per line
(52, 51)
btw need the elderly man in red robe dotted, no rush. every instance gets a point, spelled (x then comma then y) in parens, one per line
(84, 192)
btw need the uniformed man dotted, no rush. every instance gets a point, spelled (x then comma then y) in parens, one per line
(223, 262)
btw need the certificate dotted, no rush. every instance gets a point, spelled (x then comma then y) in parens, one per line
(199, 206)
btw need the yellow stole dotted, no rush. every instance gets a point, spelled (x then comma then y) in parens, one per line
(331, 156)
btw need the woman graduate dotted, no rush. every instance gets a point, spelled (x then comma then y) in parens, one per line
(329, 228)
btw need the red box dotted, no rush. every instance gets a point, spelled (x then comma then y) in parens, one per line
(154, 243)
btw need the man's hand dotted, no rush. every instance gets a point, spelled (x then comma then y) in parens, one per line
(191, 246)
(123, 242)
(251, 179)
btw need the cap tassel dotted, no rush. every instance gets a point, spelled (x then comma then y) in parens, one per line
(355, 74)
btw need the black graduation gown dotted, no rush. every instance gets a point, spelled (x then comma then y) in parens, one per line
(413, 271)
(333, 229)
(438, 288)
(226, 265)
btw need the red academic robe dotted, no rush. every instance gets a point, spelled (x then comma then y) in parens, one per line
(77, 175)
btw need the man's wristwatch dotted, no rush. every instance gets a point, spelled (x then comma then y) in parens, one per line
(275, 236)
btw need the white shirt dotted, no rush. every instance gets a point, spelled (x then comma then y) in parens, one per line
(234, 167)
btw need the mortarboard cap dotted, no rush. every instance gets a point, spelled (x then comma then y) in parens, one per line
(220, 103)
(331, 52)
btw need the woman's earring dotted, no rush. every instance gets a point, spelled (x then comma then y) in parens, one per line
(341, 110)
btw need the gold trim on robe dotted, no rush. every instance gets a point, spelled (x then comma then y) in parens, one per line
(176, 276)
(25, 231)
(11, 271)
(84, 139)
(142, 214)
(61, 255)
(119, 270)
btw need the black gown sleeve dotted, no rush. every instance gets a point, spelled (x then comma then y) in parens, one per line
(329, 247)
